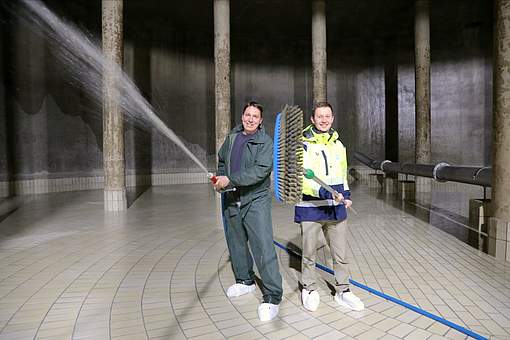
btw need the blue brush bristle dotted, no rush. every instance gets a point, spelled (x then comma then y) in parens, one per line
(275, 156)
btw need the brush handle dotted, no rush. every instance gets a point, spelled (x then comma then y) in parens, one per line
(308, 173)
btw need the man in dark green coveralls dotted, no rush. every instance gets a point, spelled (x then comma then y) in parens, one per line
(245, 162)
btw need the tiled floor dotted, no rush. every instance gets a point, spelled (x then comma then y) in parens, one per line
(160, 271)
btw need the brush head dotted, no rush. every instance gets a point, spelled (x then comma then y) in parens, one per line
(288, 155)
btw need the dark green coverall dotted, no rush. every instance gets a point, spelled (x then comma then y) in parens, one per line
(247, 213)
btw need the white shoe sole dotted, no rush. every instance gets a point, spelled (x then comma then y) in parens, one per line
(249, 290)
(307, 306)
(269, 316)
(346, 305)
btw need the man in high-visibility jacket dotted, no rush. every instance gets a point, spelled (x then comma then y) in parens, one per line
(320, 212)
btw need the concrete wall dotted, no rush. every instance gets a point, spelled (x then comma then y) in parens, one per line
(356, 91)
(55, 129)
(3, 108)
(461, 103)
(274, 73)
(180, 85)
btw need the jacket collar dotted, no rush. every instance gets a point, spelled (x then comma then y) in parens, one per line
(257, 136)
(311, 134)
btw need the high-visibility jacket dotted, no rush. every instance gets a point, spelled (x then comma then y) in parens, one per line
(326, 156)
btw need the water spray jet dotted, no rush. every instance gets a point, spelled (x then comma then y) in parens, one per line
(85, 63)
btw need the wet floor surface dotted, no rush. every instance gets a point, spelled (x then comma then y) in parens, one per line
(434, 214)
(68, 270)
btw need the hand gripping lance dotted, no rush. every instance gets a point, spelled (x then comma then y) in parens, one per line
(214, 179)
(309, 174)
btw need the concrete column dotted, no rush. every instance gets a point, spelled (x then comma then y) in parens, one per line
(113, 127)
(222, 80)
(319, 55)
(499, 228)
(222, 69)
(422, 79)
(422, 85)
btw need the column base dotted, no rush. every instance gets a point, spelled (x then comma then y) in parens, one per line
(115, 200)
(498, 241)
(478, 214)
(406, 190)
(390, 185)
(423, 184)
(375, 180)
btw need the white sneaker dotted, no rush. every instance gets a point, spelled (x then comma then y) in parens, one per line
(239, 289)
(349, 300)
(310, 299)
(268, 311)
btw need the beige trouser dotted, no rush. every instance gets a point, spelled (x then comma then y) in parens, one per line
(335, 233)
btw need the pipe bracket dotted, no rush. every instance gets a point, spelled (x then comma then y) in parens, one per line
(478, 171)
(438, 167)
(384, 162)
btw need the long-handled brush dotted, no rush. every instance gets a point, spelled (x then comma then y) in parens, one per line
(288, 157)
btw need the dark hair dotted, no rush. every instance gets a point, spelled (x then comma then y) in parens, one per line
(254, 104)
(321, 104)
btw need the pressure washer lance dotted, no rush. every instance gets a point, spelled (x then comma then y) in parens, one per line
(214, 179)
(308, 173)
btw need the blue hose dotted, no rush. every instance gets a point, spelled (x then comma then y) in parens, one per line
(393, 299)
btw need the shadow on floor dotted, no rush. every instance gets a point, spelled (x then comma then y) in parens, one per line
(8, 206)
(132, 193)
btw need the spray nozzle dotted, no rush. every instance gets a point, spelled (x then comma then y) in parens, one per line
(212, 178)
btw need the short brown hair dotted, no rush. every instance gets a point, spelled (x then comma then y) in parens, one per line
(254, 104)
(321, 104)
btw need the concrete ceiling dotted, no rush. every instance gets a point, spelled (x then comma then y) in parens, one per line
(348, 20)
